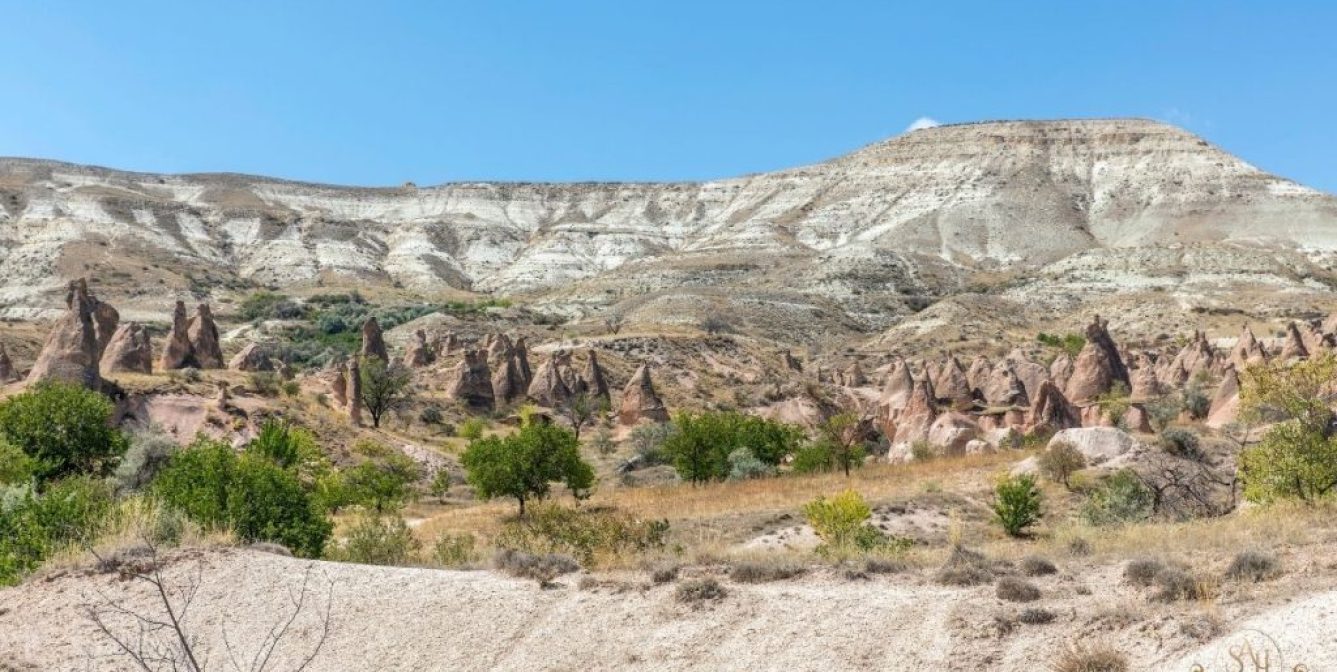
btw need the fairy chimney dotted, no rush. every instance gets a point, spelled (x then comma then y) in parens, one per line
(354, 392)
(548, 387)
(129, 350)
(70, 353)
(471, 381)
(639, 401)
(178, 353)
(596, 385)
(203, 334)
(419, 352)
(373, 341)
(1098, 367)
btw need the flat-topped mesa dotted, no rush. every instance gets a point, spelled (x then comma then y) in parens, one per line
(130, 350)
(470, 382)
(639, 400)
(70, 353)
(373, 341)
(1098, 367)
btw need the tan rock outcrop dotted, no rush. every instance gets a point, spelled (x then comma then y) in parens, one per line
(470, 382)
(339, 387)
(373, 341)
(522, 360)
(70, 353)
(1145, 385)
(354, 392)
(951, 431)
(1098, 367)
(419, 352)
(1030, 373)
(897, 389)
(252, 357)
(854, 375)
(178, 353)
(130, 350)
(918, 415)
(507, 385)
(203, 334)
(1060, 370)
(1226, 402)
(105, 321)
(1294, 347)
(1248, 350)
(951, 385)
(977, 376)
(7, 372)
(1005, 388)
(639, 400)
(1051, 411)
(548, 387)
(596, 384)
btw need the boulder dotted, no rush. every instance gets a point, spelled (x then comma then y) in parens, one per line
(1137, 419)
(549, 388)
(639, 400)
(178, 353)
(1097, 444)
(203, 335)
(70, 353)
(373, 341)
(419, 352)
(471, 382)
(1098, 367)
(977, 446)
(130, 350)
(252, 357)
(951, 431)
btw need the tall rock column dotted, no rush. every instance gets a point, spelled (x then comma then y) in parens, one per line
(639, 400)
(70, 353)
(203, 334)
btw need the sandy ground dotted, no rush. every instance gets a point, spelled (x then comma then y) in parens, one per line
(420, 619)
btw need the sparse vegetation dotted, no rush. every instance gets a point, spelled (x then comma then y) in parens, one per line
(1120, 499)
(842, 524)
(1017, 504)
(1089, 657)
(1182, 442)
(764, 572)
(1013, 589)
(377, 540)
(541, 568)
(592, 536)
(1060, 461)
(1034, 565)
(1253, 566)
(700, 592)
(1069, 343)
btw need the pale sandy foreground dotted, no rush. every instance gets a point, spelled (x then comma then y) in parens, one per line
(420, 619)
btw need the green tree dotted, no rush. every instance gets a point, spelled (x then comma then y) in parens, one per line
(15, 466)
(843, 433)
(1017, 503)
(524, 465)
(1060, 461)
(67, 429)
(1297, 457)
(384, 387)
(32, 525)
(383, 482)
(700, 448)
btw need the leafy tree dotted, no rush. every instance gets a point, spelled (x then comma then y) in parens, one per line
(1060, 461)
(842, 433)
(65, 428)
(1297, 457)
(258, 499)
(700, 448)
(384, 387)
(1017, 503)
(842, 523)
(32, 525)
(579, 411)
(383, 482)
(524, 465)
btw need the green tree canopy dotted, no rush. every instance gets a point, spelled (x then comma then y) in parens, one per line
(524, 465)
(67, 429)
(700, 449)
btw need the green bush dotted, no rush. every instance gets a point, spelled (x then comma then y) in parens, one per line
(1119, 500)
(65, 428)
(149, 452)
(377, 540)
(270, 306)
(524, 465)
(743, 465)
(1182, 442)
(1069, 343)
(700, 448)
(471, 429)
(1060, 461)
(591, 536)
(813, 457)
(647, 440)
(32, 526)
(382, 483)
(1017, 503)
(16, 468)
(842, 523)
(254, 497)
(455, 550)
(264, 383)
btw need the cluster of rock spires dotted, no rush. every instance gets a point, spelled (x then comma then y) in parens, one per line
(497, 371)
(89, 341)
(955, 408)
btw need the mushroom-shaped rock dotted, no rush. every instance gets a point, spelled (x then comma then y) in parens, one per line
(373, 341)
(178, 353)
(70, 353)
(1098, 366)
(639, 400)
(1051, 411)
(596, 385)
(1225, 406)
(203, 334)
(548, 387)
(419, 352)
(130, 350)
(471, 381)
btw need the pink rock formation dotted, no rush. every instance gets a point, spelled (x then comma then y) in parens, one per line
(1005, 388)
(977, 376)
(203, 334)
(252, 357)
(419, 352)
(951, 385)
(354, 392)
(1248, 350)
(70, 353)
(639, 400)
(1226, 402)
(1145, 385)
(471, 382)
(1051, 411)
(920, 411)
(178, 353)
(129, 350)
(373, 341)
(1098, 366)
(1060, 370)
(1294, 347)
(7, 372)
(596, 385)
(507, 385)
(548, 387)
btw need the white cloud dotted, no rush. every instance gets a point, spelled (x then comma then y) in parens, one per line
(921, 123)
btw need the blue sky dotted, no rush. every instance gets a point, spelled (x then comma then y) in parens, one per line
(384, 92)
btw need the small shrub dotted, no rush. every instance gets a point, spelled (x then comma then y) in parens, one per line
(603, 442)
(883, 566)
(430, 415)
(699, 592)
(377, 540)
(191, 374)
(592, 535)
(1034, 565)
(1143, 571)
(1079, 546)
(1013, 589)
(1120, 500)
(1017, 504)
(455, 550)
(150, 450)
(664, 574)
(16, 468)
(842, 524)
(1089, 657)
(743, 465)
(1035, 616)
(965, 567)
(471, 429)
(764, 572)
(542, 568)
(1253, 566)
(1060, 461)
(1177, 583)
(1183, 443)
(291, 388)
(922, 450)
(647, 440)
(264, 383)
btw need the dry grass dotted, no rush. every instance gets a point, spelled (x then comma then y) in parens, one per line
(134, 520)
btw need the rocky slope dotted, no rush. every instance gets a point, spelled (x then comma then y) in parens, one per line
(857, 242)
